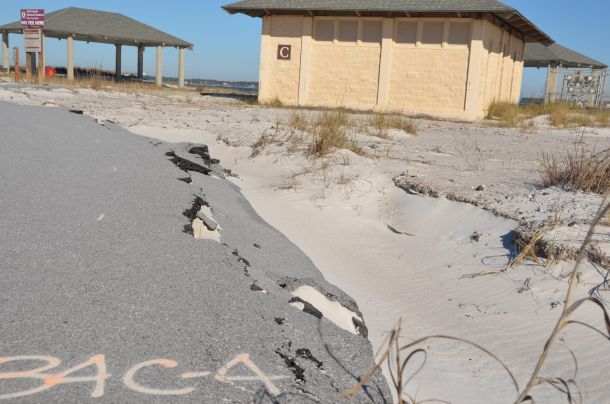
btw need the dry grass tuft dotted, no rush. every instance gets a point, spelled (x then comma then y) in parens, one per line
(329, 133)
(381, 123)
(559, 115)
(530, 250)
(506, 113)
(562, 115)
(581, 169)
(317, 136)
(404, 124)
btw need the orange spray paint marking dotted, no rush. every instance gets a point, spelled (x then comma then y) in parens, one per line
(51, 363)
(98, 361)
(166, 363)
(221, 375)
(51, 380)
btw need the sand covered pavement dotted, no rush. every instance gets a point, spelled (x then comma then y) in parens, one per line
(434, 262)
(109, 296)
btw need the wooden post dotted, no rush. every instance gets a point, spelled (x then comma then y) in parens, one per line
(5, 52)
(34, 67)
(17, 67)
(181, 68)
(28, 67)
(41, 61)
(385, 64)
(70, 51)
(159, 79)
(117, 69)
(141, 62)
(551, 79)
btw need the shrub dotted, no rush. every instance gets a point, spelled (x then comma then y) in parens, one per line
(505, 112)
(581, 169)
(561, 114)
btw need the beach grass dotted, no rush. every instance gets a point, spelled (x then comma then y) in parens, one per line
(579, 169)
(561, 115)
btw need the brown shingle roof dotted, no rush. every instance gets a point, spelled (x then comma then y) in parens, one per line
(509, 15)
(538, 55)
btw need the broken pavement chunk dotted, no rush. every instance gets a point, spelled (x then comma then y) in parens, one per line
(207, 221)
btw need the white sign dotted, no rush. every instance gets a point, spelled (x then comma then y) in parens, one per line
(33, 40)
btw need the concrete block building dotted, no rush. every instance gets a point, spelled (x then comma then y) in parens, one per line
(448, 58)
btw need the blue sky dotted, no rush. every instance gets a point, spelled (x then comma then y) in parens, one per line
(227, 47)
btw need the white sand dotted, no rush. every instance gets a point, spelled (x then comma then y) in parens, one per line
(338, 212)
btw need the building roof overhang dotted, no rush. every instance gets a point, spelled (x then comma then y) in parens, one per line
(555, 55)
(493, 10)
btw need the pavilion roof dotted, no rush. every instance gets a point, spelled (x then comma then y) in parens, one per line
(101, 26)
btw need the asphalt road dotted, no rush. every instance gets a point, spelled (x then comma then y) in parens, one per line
(105, 296)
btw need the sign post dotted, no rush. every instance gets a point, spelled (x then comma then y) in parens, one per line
(29, 62)
(32, 21)
(17, 67)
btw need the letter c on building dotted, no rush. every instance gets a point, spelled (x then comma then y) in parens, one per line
(283, 52)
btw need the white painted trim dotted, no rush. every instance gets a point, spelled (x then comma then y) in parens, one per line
(265, 64)
(385, 64)
(473, 83)
(306, 43)
(5, 52)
